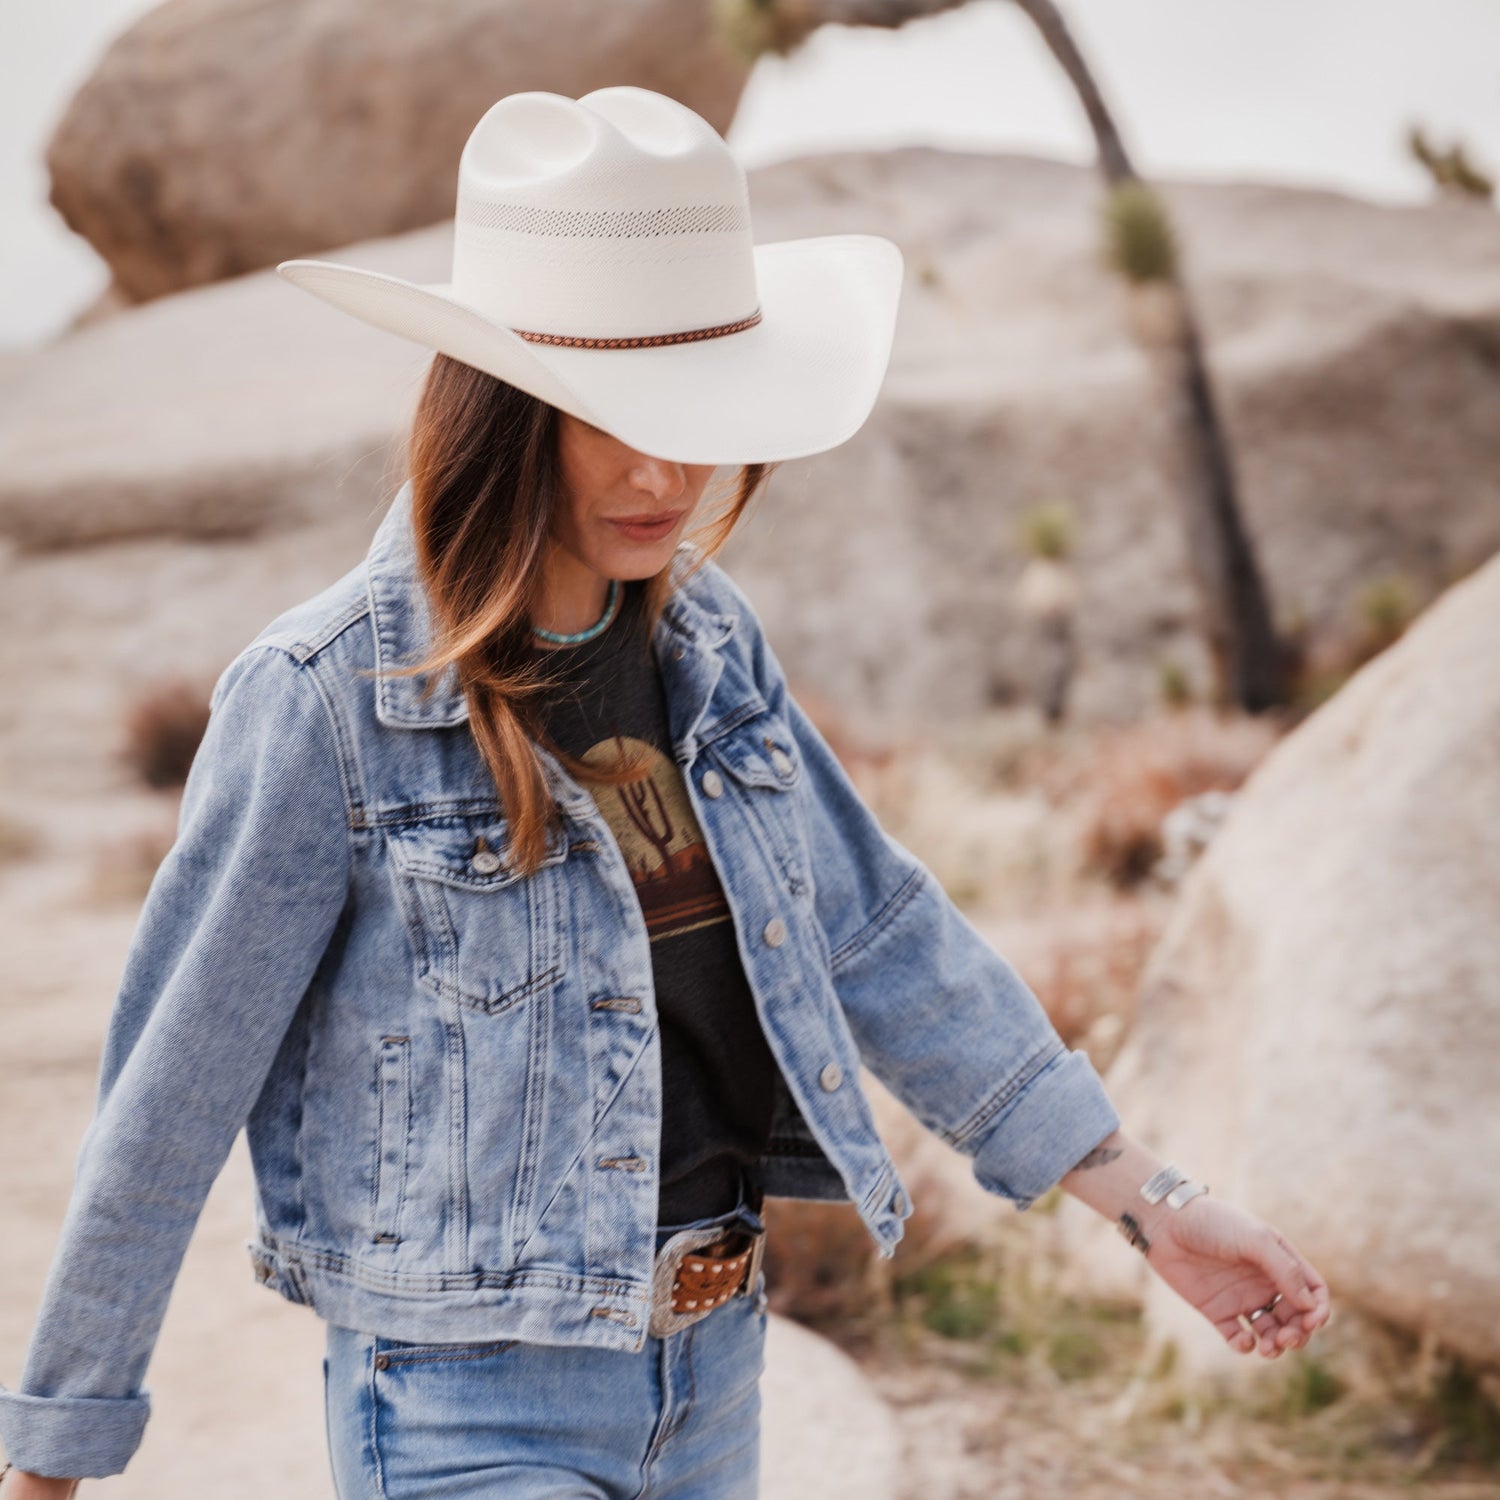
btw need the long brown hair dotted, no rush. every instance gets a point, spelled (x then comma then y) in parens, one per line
(486, 481)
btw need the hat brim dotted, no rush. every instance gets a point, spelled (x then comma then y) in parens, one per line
(801, 381)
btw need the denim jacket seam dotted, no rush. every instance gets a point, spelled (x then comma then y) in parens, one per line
(306, 649)
(353, 804)
(1046, 1055)
(350, 786)
(883, 917)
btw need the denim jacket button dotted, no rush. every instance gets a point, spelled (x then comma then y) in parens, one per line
(486, 862)
(831, 1077)
(898, 1203)
(781, 760)
(713, 783)
(774, 932)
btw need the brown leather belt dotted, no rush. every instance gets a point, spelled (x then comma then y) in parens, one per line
(698, 1270)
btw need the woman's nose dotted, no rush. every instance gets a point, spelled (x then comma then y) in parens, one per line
(659, 477)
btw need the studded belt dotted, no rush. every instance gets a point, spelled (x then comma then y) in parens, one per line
(697, 1270)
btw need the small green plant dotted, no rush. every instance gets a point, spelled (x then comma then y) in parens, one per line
(1450, 169)
(1076, 1353)
(1175, 685)
(1139, 242)
(1048, 530)
(1314, 686)
(1386, 607)
(749, 28)
(955, 1297)
(1310, 1385)
(1468, 1422)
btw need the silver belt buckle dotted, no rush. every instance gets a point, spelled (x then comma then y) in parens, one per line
(667, 1319)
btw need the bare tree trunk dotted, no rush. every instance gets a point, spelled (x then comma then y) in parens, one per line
(1249, 660)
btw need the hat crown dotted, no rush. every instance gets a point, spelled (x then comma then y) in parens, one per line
(619, 214)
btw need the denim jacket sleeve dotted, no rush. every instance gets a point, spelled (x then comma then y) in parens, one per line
(939, 1016)
(233, 927)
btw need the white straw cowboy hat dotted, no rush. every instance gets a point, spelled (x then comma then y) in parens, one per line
(603, 261)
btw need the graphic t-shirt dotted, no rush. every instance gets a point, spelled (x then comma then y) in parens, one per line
(718, 1071)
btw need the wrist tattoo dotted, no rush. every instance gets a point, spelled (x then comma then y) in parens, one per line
(1098, 1156)
(1130, 1227)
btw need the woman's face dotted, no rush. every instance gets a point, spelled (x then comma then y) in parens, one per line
(609, 485)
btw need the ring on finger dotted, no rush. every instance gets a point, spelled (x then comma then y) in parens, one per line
(1265, 1308)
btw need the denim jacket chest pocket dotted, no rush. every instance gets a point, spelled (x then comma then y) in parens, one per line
(484, 935)
(760, 757)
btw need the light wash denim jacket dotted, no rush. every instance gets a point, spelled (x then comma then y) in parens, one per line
(449, 1076)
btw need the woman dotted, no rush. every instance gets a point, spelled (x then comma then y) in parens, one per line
(526, 923)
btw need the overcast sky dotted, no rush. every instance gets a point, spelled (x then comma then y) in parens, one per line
(1305, 91)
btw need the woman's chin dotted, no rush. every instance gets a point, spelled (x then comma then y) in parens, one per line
(637, 559)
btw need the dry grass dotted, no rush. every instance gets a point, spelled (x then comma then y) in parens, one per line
(1003, 1384)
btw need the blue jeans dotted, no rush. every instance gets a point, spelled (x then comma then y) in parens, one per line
(679, 1420)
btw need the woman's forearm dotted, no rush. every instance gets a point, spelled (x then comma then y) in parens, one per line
(1109, 1179)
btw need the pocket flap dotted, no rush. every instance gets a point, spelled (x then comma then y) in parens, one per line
(760, 752)
(471, 854)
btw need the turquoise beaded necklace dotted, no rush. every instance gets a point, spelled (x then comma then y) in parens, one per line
(597, 628)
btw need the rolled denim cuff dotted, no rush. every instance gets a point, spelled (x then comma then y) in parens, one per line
(1055, 1121)
(72, 1437)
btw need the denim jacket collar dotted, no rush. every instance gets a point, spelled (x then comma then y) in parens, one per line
(689, 634)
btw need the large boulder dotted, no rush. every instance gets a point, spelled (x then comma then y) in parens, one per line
(1319, 1027)
(219, 136)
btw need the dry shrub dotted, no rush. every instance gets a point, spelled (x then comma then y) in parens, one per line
(17, 840)
(162, 730)
(819, 1262)
(1137, 773)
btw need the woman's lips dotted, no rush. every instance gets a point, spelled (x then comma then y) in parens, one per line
(648, 531)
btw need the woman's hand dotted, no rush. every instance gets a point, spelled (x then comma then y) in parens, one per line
(21, 1484)
(1227, 1263)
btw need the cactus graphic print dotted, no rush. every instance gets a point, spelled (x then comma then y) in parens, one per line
(718, 1071)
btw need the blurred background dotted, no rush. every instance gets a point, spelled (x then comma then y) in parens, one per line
(1156, 607)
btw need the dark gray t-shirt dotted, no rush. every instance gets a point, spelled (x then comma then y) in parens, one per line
(718, 1071)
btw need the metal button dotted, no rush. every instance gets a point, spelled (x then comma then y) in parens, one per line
(774, 932)
(781, 760)
(831, 1077)
(713, 783)
(678, 653)
(486, 862)
(898, 1204)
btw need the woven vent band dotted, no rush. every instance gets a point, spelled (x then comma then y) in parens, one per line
(645, 341)
(520, 218)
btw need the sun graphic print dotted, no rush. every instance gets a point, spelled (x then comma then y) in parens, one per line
(662, 841)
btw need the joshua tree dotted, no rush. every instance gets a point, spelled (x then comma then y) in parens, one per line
(1250, 664)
